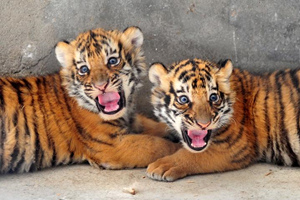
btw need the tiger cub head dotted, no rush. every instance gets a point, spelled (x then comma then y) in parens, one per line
(194, 98)
(102, 69)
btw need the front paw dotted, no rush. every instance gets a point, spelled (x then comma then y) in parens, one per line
(165, 169)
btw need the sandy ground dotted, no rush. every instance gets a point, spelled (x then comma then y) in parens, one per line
(260, 181)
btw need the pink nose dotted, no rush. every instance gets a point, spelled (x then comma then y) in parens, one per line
(202, 125)
(102, 86)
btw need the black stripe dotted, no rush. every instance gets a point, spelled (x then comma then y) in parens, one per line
(132, 79)
(277, 154)
(188, 119)
(138, 68)
(207, 73)
(34, 165)
(2, 102)
(41, 159)
(193, 64)
(202, 81)
(208, 66)
(294, 98)
(120, 49)
(172, 91)
(87, 136)
(27, 84)
(194, 83)
(104, 42)
(244, 100)
(71, 157)
(178, 67)
(295, 80)
(283, 132)
(53, 159)
(2, 123)
(98, 48)
(293, 95)
(241, 151)
(165, 119)
(73, 76)
(255, 144)
(267, 119)
(3, 137)
(188, 77)
(128, 58)
(113, 135)
(14, 154)
(207, 77)
(243, 160)
(267, 123)
(277, 159)
(221, 131)
(237, 138)
(181, 76)
(111, 123)
(220, 141)
(27, 132)
(66, 100)
(103, 36)
(17, 86)
(226, 111)
(167, 99)
(21, 161)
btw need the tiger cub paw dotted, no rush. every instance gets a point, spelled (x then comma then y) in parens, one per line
(165, 169)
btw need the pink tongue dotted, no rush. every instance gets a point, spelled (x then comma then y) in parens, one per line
(109, 100)
(197, 137)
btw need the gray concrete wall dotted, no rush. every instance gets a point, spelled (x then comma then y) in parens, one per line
(258, 35)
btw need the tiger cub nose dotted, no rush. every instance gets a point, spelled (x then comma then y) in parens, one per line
(203, 125)
(101, 86)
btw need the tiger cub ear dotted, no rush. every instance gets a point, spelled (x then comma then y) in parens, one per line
(225, 71)
(157, 73)
(64, 53)
(223, 76)
(134, 36)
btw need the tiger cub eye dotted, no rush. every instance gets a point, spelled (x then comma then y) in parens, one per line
(214, 97)
(183, 99)
(84, 69)
(113, 61)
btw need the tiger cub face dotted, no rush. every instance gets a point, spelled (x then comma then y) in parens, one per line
(101, 69)
(194, 98)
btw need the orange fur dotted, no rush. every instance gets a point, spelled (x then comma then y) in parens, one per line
(260, 117)
(52, 120)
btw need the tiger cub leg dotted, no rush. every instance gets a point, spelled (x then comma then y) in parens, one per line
(184, 163)
(130, 151)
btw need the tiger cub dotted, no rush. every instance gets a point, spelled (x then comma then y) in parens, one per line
(226, 118)
(83, 113)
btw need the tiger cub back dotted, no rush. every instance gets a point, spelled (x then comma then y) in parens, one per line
(227, 118)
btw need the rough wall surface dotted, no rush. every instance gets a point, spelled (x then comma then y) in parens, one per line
(258, 35)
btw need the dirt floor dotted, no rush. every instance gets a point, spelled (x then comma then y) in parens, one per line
(260, 181)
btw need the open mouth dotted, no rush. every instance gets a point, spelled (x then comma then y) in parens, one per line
(110, 102)
(196, 139)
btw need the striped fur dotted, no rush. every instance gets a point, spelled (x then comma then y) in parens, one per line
(54, 120)
(256, 117)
